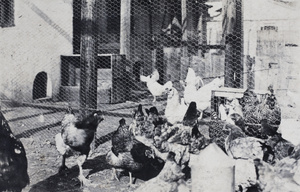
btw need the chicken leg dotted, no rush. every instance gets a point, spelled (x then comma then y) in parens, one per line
(83, 181)
(154, 99)
(130, 184)
(63, 166)
(114, 174)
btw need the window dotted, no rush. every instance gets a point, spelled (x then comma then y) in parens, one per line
(7, 13)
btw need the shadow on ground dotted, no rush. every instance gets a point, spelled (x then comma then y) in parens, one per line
(69, 181)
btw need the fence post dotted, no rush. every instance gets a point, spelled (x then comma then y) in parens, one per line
(184, 18)
(232, 31)
(125, 28)
(88, 57)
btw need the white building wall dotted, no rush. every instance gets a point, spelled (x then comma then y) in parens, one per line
(257, 14)
(42, 32)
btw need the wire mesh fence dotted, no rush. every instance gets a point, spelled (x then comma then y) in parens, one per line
(111, 44)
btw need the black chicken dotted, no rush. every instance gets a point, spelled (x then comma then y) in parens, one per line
(127, 153)
(191, 116)
(13, 160)
(155, 117)
(76, 137)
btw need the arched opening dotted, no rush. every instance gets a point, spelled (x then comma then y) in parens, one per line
(40, 86)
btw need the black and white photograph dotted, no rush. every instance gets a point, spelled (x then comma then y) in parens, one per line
(149, 95)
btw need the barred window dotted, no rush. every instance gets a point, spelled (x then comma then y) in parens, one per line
(7, 13)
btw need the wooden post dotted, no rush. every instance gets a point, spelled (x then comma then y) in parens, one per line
(232, 31)
(88, 58)
(185, 60)
(184, 26)
(125, 28)
(202, 27)
(76, 26)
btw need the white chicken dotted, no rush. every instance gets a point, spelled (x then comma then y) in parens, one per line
(154, 87)
(191, 85)
(203, 95)
(175, 109)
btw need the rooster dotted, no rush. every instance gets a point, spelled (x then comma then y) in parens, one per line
(76, 136)
(13, 160)
(154, 87)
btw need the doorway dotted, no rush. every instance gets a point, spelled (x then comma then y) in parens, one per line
(40, 86)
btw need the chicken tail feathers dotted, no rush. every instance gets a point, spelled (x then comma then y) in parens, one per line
(13, 160)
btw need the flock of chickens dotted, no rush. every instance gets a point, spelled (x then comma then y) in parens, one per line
(157, 144)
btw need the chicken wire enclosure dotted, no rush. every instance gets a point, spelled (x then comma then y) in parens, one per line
(97, 50)
(100, 54)
(169, 36)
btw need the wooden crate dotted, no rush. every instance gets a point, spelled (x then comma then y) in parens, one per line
(219, 95)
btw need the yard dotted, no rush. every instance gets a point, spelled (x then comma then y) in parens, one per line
(37, 135)
(37, 126)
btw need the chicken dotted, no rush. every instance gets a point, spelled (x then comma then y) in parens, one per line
(76, 136)
(138, 120)
(144, 123)
(155, 117)
(191, 115)
(230, 107)
(13, 160)
(153, 124)
(154, 87)
(278, 146)
(245, 148)
(175, 110)
(281, 147)
(203, 95)
(280, 177)
(198, 143)
(169, 179)
(216, 131)
(128, 153)
(191, 85)
(122, 139)
(256, 112)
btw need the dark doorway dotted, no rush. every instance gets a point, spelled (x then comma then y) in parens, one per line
(40, 86)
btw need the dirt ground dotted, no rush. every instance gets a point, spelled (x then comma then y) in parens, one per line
(37, 127)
